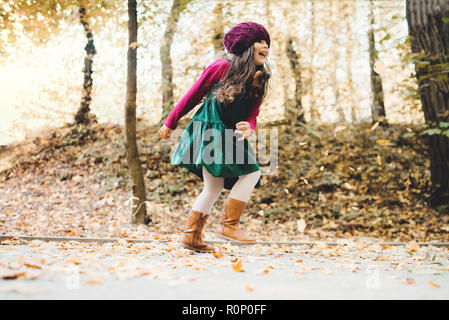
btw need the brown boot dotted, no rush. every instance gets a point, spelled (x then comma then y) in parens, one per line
(191, 238)
(228, 227)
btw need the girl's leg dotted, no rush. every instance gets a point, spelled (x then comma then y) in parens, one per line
(244, 186)
(213, 186)
(233, 208)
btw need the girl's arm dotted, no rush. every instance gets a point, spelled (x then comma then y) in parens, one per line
(212, 74)
(251, 118)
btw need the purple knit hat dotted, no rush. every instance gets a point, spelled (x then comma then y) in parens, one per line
(243, 35)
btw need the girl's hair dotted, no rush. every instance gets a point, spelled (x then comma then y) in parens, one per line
(244, 79)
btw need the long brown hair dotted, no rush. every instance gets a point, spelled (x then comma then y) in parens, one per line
(244, 79)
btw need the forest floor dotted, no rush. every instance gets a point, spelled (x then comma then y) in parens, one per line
(128, 270)
(358, 186)
(332, 182)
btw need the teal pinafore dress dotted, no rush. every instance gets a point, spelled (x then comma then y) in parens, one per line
(209, 140)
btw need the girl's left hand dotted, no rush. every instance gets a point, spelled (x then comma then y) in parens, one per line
(244, 129)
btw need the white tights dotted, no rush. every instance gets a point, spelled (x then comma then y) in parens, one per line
(213, 186)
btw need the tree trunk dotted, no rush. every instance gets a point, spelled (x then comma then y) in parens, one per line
(138, 215)
(295, 113)
(349, 14)
(82, 116)
(377, 101)
(218, 32)
(294, 109)
(314, 116)
(429, 38)
(165, 48)
(335, 10)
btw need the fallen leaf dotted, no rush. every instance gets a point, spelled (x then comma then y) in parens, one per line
(301, 224)
(238, 266)
(217, 254)
(413, 245)
(383, 142)
(379, 160)
(94, 281)
(249, 287)
(409, 281)
(433, 284)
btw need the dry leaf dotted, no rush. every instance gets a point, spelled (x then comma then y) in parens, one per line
(301, 224)
(249, 287)
(217, 254)
(413, 245)
(238, 266)
(383, 142)
(94, 281)
(409, 281)
(379, 160)
(12, 275)
(374, 127)
(433, 284)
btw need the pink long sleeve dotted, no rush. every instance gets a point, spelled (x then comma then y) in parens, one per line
(211, 75)
(253, 113)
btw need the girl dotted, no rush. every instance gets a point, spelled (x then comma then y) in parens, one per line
(236, 86)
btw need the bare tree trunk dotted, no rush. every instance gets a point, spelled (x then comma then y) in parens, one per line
(294, 109)
(377, 102)
(348, 52)
(335, 12)
(218, 32)
(429, 38)
(82, 116)
(295, 113)
(313, 112)
(165, 54)
(132, 155)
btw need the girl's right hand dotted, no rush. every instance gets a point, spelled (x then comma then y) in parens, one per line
(165, 132)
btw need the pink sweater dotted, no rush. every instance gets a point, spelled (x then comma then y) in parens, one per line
(211, 75)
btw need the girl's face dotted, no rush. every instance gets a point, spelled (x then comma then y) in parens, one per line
(261, 51)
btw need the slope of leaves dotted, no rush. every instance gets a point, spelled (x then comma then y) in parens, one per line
(331, 182)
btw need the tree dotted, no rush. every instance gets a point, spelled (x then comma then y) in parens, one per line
(377, 101)
(429, 38)
(294, 112)
(41, 19)
(139, 215)
(165, 47)
(217, 27)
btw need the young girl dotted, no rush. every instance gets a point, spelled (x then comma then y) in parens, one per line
(236, 86)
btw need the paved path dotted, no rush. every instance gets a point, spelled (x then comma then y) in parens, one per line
(123, 270)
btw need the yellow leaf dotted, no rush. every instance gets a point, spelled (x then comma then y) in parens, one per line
(413, 245)
(299, 261)
(379, 160)
(180, 254)
(383, 142)
(218, 254)
(94, 281)
(375, 126)
(249, 287)
(442, 268)
(433, 284)
(238, 266)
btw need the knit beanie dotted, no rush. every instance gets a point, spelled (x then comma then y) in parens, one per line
(243, 35)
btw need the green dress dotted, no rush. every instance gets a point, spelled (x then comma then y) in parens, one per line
(209, 140)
